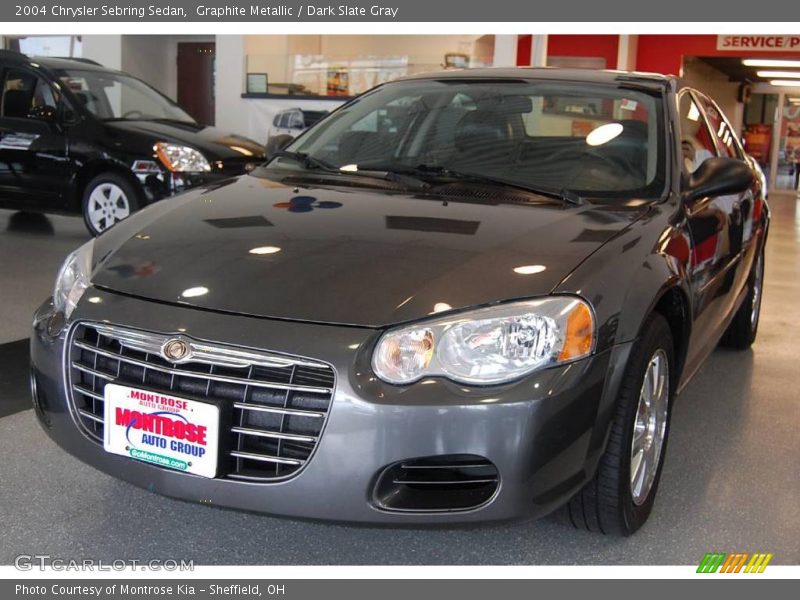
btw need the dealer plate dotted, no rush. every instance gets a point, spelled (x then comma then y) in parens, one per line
(164, 430)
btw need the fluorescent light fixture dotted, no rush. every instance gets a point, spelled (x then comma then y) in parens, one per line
(603, 134)
(770, 62)
(780, 74)
(785, 82)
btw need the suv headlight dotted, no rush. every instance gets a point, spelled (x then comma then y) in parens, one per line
(488, 345)
(73, 279)
(183, 159)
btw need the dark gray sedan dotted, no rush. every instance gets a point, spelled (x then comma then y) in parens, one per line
(463, 296)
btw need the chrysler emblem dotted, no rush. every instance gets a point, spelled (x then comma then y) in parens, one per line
(175, 349)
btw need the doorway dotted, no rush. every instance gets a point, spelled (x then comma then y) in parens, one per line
(196, 79)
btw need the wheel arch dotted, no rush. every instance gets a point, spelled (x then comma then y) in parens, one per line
(672, 303)
(92, 169)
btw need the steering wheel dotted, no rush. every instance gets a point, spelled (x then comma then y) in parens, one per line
(133, 114)
(610, 161)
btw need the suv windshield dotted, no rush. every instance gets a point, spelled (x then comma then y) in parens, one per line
(587, 138)
(109, 95)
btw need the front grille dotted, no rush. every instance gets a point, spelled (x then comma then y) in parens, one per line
(273, 407)
(450, 482)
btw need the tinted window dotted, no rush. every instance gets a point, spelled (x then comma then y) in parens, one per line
(721, 128)
(697, 141)
(591, 138)
(110, 95)
(24, 91)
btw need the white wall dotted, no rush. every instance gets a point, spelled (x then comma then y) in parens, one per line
(231, 112)
(105, 49)
(154, 58)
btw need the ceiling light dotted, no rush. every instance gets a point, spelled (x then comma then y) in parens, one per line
(529, 269)
(349, 168)
(603, 134)
(194, 292)
(441, 307)
(264, 250)
(769, 62)
(789, 74)
(785, 82)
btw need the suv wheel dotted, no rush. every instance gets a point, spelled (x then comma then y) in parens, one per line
(107, 199)
(620, 497)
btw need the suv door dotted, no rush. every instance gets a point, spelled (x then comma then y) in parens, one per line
(714, 256)
(33, 154)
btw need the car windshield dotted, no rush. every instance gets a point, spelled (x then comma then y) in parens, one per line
(117, 96)
(587, 138)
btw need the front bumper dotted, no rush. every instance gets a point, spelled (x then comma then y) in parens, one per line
(544, 433)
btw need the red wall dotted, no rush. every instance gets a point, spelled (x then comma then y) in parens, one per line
(664, 53)
(656, 53)
(604, 46)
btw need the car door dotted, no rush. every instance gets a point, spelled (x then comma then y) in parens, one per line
(714, 251)
(744, 206)
(33, 153)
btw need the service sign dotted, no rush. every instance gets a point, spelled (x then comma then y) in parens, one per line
(762, 43)
(164, 430)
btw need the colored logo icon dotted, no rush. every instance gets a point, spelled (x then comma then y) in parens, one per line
(734, 562)
(304, 204)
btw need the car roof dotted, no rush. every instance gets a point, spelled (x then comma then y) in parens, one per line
(51, 62)
(607, 76)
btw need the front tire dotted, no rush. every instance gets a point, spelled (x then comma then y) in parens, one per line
(620, 496)
(107, 199)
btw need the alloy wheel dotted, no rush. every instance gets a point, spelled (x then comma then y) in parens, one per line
(650, 427)
(108, 204)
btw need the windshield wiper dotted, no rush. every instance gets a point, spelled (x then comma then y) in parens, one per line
(566, 196)
(310, 162)
(306, 160)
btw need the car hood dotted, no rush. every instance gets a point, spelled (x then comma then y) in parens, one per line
(214, 143)
(347, 255)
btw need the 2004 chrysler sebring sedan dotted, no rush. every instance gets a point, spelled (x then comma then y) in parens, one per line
(462, 296)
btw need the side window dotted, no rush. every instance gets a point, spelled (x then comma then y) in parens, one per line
(284, 120)
(296, 120)
(24, 91)
(728, 144)
(697, 141)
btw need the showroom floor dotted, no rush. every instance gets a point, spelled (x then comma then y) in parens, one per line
(731, 480)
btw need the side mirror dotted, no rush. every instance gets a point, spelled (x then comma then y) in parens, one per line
(718, 176)
(275, 144)
(44, 113)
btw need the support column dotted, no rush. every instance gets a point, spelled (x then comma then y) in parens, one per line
(231, 111)
(539, 51)
(505, 51)
(626, 52)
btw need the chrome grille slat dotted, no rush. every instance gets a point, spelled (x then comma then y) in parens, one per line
(222, 378)
(279, 411)
(274, 434)
(276, 417)
(264, 458)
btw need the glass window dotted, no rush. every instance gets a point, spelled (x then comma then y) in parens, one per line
(728, 143)
(697, 141)
(110, 95)
(590, 138)
(24, 91)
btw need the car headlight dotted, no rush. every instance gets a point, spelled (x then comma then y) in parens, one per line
(184, 159)
(488, 345)
(73, 279)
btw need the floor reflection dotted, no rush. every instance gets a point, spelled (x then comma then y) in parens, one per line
(30, 222)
